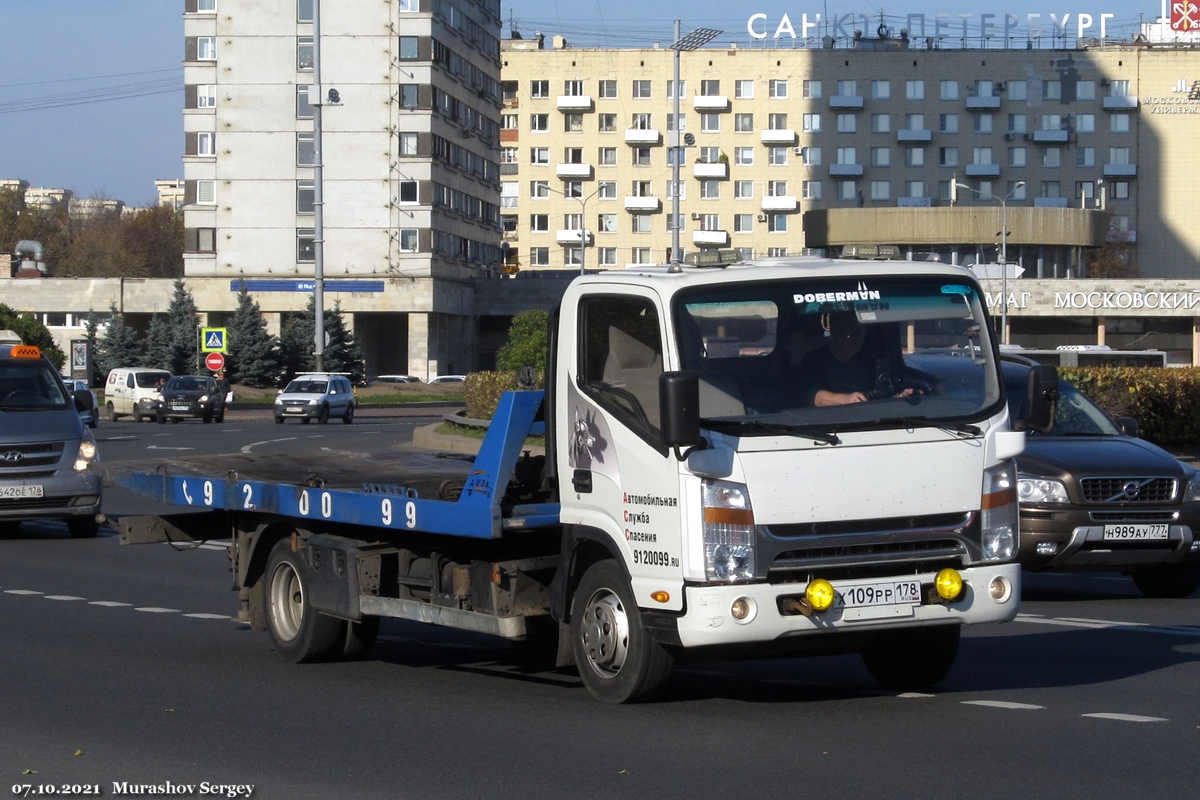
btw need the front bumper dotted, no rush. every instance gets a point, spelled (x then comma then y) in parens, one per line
(1070, 539)
(709, 619)
(184, 408)
(298, 412)
(63, 497)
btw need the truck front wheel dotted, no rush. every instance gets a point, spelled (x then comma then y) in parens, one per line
(618, 661)
(298, 632)
(912, 660)
(1167, 580)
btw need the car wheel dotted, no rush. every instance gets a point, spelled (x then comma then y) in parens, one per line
(348, 417)
(207, 419)
(617, 659)
(162, 418)
(299, 632)
(279, 420)
(306, 420)
(175, 420)
(912, 660)
(137, 415)
(323, 415)
(1174, 581)
(83, 528)
(95, 420)
(112, 413)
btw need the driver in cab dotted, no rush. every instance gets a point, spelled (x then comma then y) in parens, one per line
(841, 371)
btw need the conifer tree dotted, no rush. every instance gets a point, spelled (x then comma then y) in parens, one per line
(121, 345)
(254, 358)
(341, 352)
(157, 350)
(184, 321)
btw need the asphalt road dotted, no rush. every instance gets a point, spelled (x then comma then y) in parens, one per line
(122, 666)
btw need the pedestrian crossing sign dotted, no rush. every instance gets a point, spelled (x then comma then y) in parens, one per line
(212, 340)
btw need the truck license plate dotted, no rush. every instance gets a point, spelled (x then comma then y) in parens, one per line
(1135, 533)
(861, 595)
(34, 490)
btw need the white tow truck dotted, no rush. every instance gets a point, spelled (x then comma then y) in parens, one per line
(692, 501)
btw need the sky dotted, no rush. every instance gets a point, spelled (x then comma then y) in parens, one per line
(91, 91)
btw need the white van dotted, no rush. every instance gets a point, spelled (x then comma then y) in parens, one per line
(133, 390)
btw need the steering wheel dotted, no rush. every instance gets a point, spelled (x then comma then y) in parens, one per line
(893, 385)
(23, 397)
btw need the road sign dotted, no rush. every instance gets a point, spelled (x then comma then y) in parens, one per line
(212, 340)
(214, 361)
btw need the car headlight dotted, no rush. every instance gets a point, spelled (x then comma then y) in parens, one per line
(203, 398)
(87, 453)
(998, 512)
(278, 401)
(314, 401)
(1192, 493)
(728, 530)
(1041, 490)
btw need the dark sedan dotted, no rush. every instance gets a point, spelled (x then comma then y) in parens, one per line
(1093, 496)
(191, 397)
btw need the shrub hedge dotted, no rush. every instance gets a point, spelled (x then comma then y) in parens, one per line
(482, 390)
(1165, 402)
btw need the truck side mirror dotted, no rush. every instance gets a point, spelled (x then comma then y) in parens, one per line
(679, 406)
(1041, 398)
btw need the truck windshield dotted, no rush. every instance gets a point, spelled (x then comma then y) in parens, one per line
(839, 353)
(30, 385)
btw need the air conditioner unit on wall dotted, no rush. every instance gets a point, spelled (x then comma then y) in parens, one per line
(695, 216)
(798, 150)
(762, 217)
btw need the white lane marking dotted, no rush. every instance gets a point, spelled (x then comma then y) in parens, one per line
(20, 591)
(61, 597)
(1105, 621)
(915, 695)
(157, 610)
(246, 447)
(1002, 704)
(117, 438)
(109, 604)
(115, 604)
(1126, 717)
(156, 447)
(1098, 625)
(211, 547)
(209, 616)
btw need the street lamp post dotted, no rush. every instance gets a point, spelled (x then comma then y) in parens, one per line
(1003, 249)
(693, 41)
(583, 201)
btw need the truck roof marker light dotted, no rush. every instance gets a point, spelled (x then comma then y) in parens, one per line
(25, 351)
(660, 596)
(949, 584)
(820, 594)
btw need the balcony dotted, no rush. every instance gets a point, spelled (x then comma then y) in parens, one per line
(914, 135)
(642, 136)
(716, 169)
(845, 170)
(640, 204)
(852, 102)
(914, 202)
(1123, 102)
(1120, 170)
(710, 102)
(574, 102)
(577, 171)
(1050, 137)
(777, 203)
(1050, 202)
(571, 236)
(710, 238)
(983, 170)
(780, 136)
(983, 103)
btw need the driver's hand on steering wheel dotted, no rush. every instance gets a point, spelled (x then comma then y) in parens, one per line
(828, 398)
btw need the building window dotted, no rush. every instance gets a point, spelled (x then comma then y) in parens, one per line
(777, 89)
(1085, 123)
(641, 189)
(847, 88)
(1051, 189)
(607, 89)
(572, 189)
(539, 156)
(1052, 122)
(671, 90)
(539, 256)
(206, 240)
(1118, 155)
(881, 123)
(777, 122)
(743, 156)
(1085, 157)
(1017, 123)
(914, 157)
(539, 123)
(206, 48)
(607, 190)
(671, 122)
(607, 156)
(983, 123)
(407, 144)
(710, 189)
(710, 123)
(206, 95)
(607, 256)
(409, 240)
(205, 144)
(539, 190)
(509, 122)
(983, 155)
(508, 155)
(408, 95)
(304, 9)
(948, 123)
(641, 255)
(641, 156)
(811, 123)
(305, 197)
(810, 156)
(846, 123)
(508, 194)
(881, 190)
(743, 190)
(539, 89)
(881, 90)
(1119, 123)
(409, 6)
(914, 90)
(573, 88)
(641, 90)
(573, 122)
(406, 191)
(640, 223)
(1052, 157)
(812, 190)
(777, 223)
(1085, 190)
(1017, 90)
(304, 53)
(743, 223)
(1085, 90)
(1016, 190)
(676, 188)
(777, 156)
(947, 156)
(914, 122)
(607, 123)
(743, 89)
(206, 193)
(306, 245)
(1119, 190)
(539, 223)
(640, 122)
(914, 188)
(847, 155)
(1016, 157)
(948, 90)
(408, 48)
(881, 157)
(777, 188)
(710, 88)
(811, 90)
(1052, 90)
(305, 149)
(606, 223)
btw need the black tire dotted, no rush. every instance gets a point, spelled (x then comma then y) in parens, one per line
(617, 659)
(299, 633)
(348, 417)
(137, 415)
(95, 420)
(323, 415)
(176, 420)
(83, 527)
(279, 420)
(219, 418)
(305, 420)
(1167, 581)
(360, 638)
(162, 418)
(912, 660)
(207, 419)
(112, 413)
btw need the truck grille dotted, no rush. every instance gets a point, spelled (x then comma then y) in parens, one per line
(1128, 490)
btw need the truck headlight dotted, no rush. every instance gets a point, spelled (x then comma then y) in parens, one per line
(1041, 490)
(728, 529)
(998, 512)
(87, 453)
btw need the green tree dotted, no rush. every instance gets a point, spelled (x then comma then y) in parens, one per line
(184, 320)
(157, 351)
(528, 336)
(91, 332)
(121, 345)
(253, 353)
(296, 343)
(341, 352)
(153, 240)
(32, 332)
(297, 340)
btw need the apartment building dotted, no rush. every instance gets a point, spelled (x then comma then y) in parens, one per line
(882, 142)
(410, 122)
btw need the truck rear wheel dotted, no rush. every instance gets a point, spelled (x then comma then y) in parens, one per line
(298, 632)
(1174, 581)
(912, 660)
(618, 661)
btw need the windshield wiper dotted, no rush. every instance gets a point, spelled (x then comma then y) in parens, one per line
(767, 428)
(926, 422)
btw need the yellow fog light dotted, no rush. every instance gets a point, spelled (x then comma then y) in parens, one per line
(949, 584)
(820, 594)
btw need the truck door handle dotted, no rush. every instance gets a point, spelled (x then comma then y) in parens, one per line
(582, 481)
